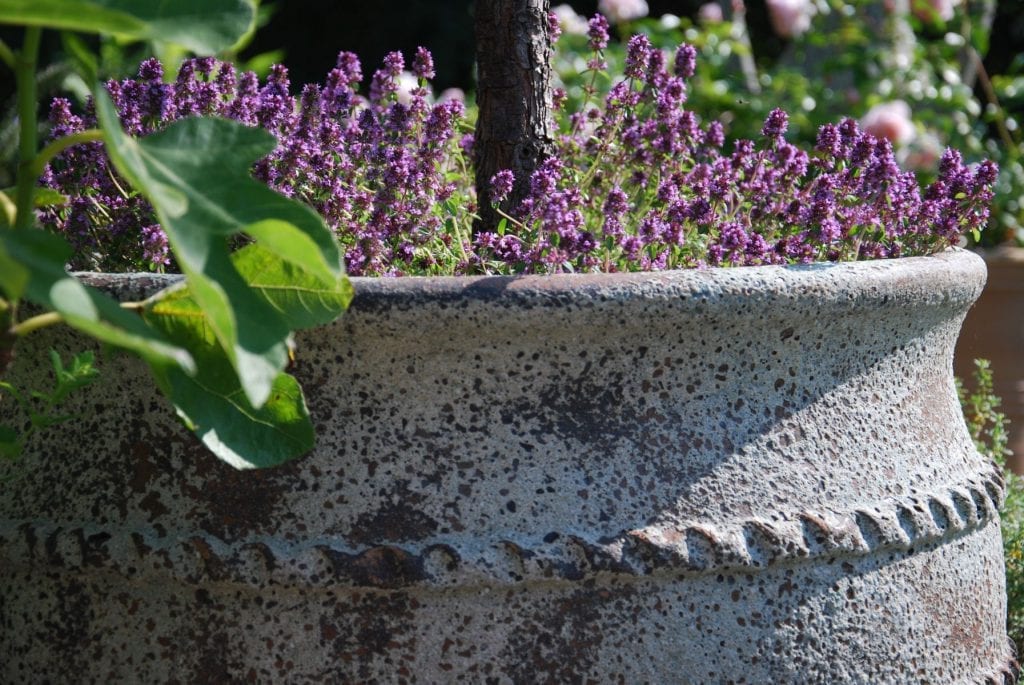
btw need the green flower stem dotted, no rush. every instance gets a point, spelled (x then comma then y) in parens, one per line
(35, 323)
(7, 55)
(25, 77)
(46, 319)
(35, 169)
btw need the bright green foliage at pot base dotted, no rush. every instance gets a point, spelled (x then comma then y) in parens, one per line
(41, 406)
(987, 426)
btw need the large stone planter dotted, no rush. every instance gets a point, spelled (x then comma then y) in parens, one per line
(753, 475)
(994, 330)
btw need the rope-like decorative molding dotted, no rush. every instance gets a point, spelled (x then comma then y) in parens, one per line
(690, 548)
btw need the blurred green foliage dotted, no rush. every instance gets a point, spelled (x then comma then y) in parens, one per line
(987, 426)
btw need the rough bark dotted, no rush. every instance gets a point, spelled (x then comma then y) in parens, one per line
(513, 131)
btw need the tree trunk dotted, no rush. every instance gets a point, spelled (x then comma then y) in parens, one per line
(513, 131)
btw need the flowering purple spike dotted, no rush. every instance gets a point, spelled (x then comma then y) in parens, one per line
(950, 162)
(597, 32)
(775, 124)
(423, 64)
(151, 70)
(226, 82)
(656, 75)
(828, 141)
(243, 107)
(686, 60)
(638, 53)
(394, 63)
(349, 66)
(716, 134)
(501, 185)
(986, 174)
(554, 27)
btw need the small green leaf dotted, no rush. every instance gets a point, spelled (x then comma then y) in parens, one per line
(203, 26)
(502, 225)
(47, 197)
(8, 210)
(44, 197)
(69, 379)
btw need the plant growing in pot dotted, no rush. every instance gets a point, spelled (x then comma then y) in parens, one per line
(530, 473)
(226, 380)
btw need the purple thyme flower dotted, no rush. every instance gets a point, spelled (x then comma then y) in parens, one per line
(715, 134)
(394, 63)
(423, 64)
(638, 53)
(633, 183)
(554, 27)
(501, 185)
(829, 142)
(686, 60)
(598, 32)
(775, 124)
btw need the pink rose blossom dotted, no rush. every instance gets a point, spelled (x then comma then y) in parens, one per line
(790, 18)
(929, 10)
(570, 22)
(890, 120)
(619, 11)
(710, 13)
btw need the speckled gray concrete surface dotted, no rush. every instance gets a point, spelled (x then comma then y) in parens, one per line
(753, 476)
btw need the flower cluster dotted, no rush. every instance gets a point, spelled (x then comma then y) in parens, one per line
(637, 182)
(383, 171)
(640, 183)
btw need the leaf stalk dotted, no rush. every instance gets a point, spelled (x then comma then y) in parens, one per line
(25, 77)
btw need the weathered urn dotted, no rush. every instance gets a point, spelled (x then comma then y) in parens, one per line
(751, 475)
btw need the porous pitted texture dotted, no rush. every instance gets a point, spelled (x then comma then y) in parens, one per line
(747, 475)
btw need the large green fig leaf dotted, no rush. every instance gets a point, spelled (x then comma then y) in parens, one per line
(202, 26)
(212, 402)
(303, 298)
(39, 257)
(196, 175)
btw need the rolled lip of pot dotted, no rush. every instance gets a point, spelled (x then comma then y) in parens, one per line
(952, 276)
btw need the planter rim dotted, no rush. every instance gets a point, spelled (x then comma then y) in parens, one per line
(954, 274)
